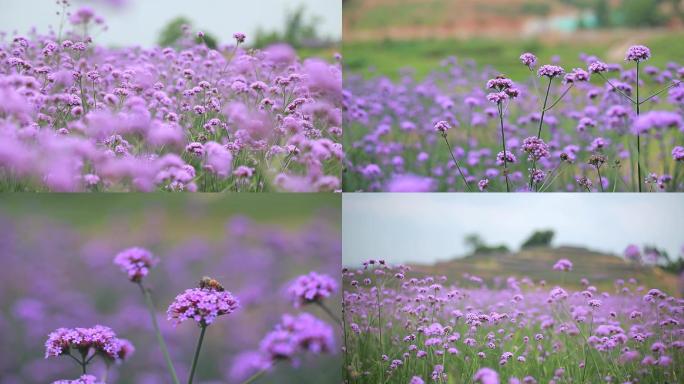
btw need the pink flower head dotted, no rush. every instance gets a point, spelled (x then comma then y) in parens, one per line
(83, 16)
(638, 53)
(98, 339)
(486, 376)
(550, 71)
(136, 262)
(311, 288)
(598, 67)
(202, 305)
(442, 126)
(295, 334)
(563, 265)
(239, 37)
(528, 59)
(633, 253)
(535, 147)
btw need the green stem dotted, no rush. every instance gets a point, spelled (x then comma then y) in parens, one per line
(197, 352)
(329, 313)
(503, 144)
(160, 339)
(541, 119)
(638, 138)
(456, 162)
(255, 376)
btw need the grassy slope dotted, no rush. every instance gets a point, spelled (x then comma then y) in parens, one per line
(423, 56)
(537, 263)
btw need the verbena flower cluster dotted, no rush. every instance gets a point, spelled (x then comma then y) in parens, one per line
(311, 288)
(394, 141)
(201, 305)
(99, 340)
(297, 334)
(403, 326)
(78, 116)
(136, 262)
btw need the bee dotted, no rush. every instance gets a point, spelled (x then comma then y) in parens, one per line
(208, 282)
(501, 76)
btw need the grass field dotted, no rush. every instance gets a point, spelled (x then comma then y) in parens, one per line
(388, 57)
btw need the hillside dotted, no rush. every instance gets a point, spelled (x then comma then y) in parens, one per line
(537, 263)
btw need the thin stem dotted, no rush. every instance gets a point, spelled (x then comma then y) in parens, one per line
(75, 359)
(256, 376)
(382, 350)
(638, 138)
(638, 162)
(541, 123)
(561, 96)
(346, 347)
(616, 89)
(456, 162)
(674, 84)
(160, 338)
(600, 180)
(503, 144)
(548, 177)
(329, 313)
(541, 119)
(197, 352)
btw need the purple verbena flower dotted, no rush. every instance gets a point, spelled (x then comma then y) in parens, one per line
(136, 262)
(563, 265)
(203, 305)
(550, 71)
(486, 376)
(528, 59)
(638, 53)
(311, 288)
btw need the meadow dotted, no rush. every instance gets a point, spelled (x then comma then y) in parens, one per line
(404, 326)
(113, 290)
(448, 122)
(80, 116)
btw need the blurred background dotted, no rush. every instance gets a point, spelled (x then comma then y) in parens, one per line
(57, 271)
(421, 33)
(495, 236)
(310, 25)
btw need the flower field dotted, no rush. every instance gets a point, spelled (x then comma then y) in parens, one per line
(78, 116)
(602, 128)
(401, 327)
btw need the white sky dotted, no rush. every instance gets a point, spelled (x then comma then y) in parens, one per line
(140, 21)
(428, 227)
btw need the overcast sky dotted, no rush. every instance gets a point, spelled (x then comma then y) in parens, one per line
(424, 228)
(140, 21)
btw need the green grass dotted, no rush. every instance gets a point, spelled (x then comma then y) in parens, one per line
(406, 13)
(424, 56)
(97, 212)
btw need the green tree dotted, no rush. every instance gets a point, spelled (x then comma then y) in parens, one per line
(478, 246)
(173, 31)
(539, 239)
(473, 241)
(642, 13)
(298, 29)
